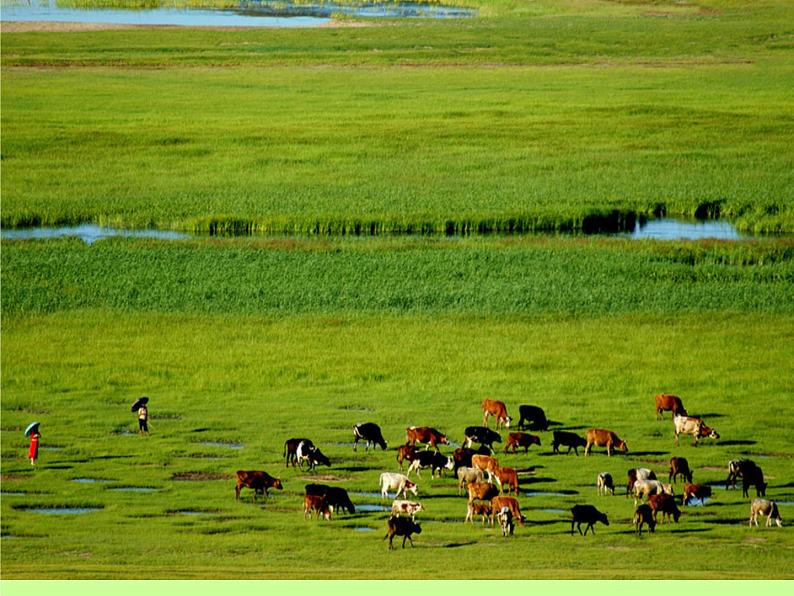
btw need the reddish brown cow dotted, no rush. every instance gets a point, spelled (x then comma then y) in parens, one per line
(256, 480)
(511, 503)
(497, 409)
(604, 438)
(486, 463)
(666, 504)
(427, 435)
(405, 452)
(509, 477)
(524, 440)
(317, 504)
(668, 402)
(482, 490)
(698, 491)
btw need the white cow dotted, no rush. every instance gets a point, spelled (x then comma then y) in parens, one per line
(410, 508)
(766, 508)
(395, 481)
(645, 488)
(690, 425)
(467, 476)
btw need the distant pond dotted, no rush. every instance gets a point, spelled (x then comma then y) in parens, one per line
(656, 229)
(247, 14)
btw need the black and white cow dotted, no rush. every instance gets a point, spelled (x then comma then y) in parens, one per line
(291, 450)
(482, 435)
(311, 455)
(370, 433)
(430, 459)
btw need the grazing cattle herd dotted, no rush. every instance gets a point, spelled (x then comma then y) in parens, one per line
(493, 489)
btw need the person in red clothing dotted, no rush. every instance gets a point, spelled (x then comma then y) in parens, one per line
(33, 452)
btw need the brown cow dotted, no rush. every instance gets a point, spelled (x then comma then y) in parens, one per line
(644, 515)
(256, 480)
(497, 409)
(481, 490)
(486, 463)
(317, 504)
(427, 435)
(698, 491)
(679, 466)
(509, 477)
(668, 402)
(666, 504)
(405, 452)
(524, 440)
(474, 508)
(511, 503)
(604, 438)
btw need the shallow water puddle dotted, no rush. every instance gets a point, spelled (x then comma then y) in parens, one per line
(363, 529)
(227, 445)
(373, 508)
(673, 229)
(88, 480)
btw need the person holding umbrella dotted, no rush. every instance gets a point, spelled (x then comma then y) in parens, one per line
(143, 414)
(32, 431)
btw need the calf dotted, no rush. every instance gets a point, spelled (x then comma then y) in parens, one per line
(505, 518)
(636, 474)
(467, 476)
(690, 425)
(679, 466)
(604, 483)
(335, 496)
(430, 459)
(484, 491)
(478, 508)
(643, 515)
(667, 402)
(311, 455)
(405, 452)
(604, 438)
(394, 481)
(482, 435)
(698, 491)
(666, 504)
(401, 526)
(291, 450)
(317, 504)
(487, 464)
(256, 480)
(765, 508)
(427, 435)
(410, 508)
(587, 514)
(507, 477)
(497, 409)
(753, 476)
(524, 440)
(533, 416)
(497, 503)
(567, 439)
(370, 433)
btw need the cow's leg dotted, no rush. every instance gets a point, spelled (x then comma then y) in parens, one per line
(237, 491)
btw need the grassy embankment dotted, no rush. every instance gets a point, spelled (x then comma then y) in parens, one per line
(508, 123)
(309, 339)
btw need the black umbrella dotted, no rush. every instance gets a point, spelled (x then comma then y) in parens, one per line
(33, 427)
(141, 401)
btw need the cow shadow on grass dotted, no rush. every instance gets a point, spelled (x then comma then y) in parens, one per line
(459, 544)
(710, 415)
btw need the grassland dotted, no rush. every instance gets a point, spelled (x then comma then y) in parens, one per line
(488, 124)
(542, 115)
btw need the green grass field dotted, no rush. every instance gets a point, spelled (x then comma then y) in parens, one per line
(534, 116)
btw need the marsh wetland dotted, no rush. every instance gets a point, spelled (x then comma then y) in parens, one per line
(280, 232)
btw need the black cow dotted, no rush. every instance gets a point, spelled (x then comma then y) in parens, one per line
(291, 450)
(736, 469)
(567, 439)
(753, 476)
(534, 417)
(430, 459)
(335, 496)
(482, 435)
(587, 514)
(369, 432)
(401, 526)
